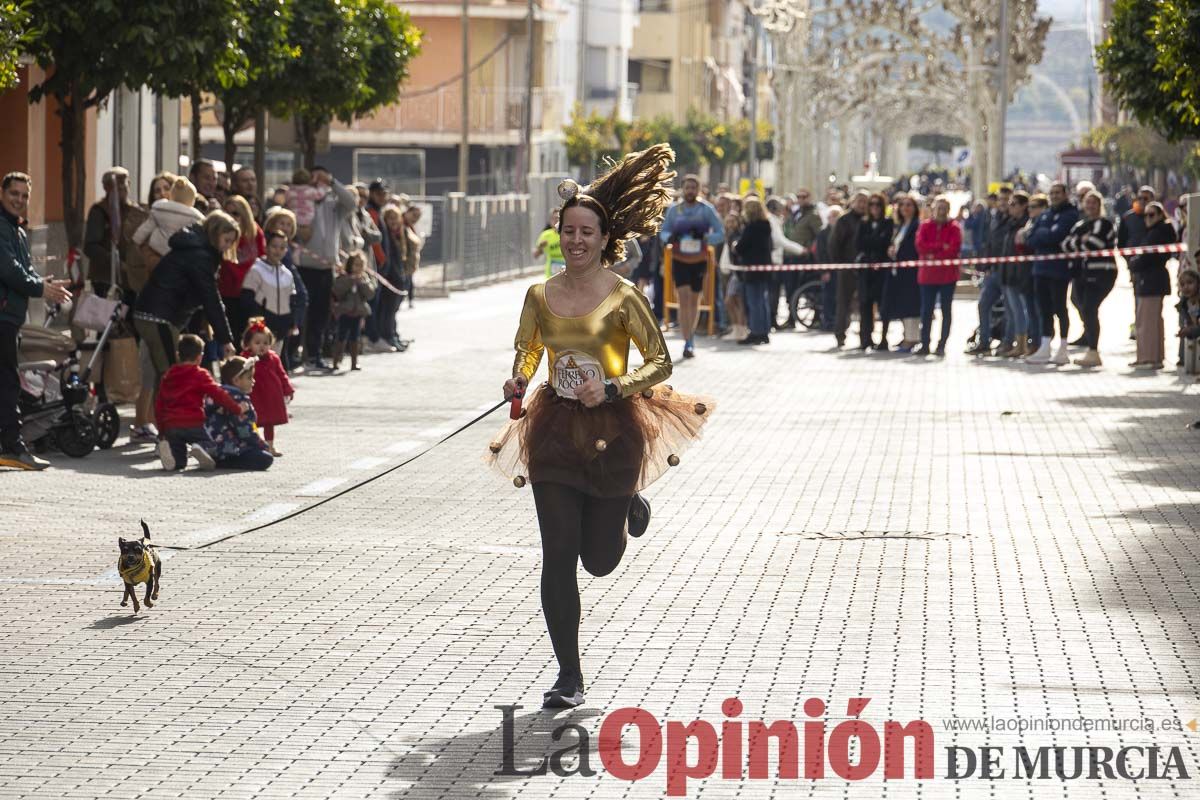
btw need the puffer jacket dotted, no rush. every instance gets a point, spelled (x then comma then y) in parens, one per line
(1049, 231)
(166, 219)
(353, 298)
(937, 241)
(184, 281)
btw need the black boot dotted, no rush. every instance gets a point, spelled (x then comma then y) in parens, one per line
(639, 515)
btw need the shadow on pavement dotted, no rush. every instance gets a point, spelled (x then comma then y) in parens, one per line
(116, 621)
(467, 766)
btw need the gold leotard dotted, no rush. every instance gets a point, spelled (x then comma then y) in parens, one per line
(613, 449)
(604, 333)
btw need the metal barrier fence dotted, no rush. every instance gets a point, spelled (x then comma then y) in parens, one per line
(484, 238)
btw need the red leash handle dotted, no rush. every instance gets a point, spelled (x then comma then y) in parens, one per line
(514, 410)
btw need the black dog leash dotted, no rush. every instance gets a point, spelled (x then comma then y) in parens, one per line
(345, 491)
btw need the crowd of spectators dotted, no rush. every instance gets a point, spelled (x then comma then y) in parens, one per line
(293, 281)
(1022, 304)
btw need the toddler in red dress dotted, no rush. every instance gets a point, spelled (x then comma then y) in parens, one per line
(272, 389)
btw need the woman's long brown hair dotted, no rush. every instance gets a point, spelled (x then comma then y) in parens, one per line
(630, 198)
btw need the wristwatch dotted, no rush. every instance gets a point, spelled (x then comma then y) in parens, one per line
(611, 390)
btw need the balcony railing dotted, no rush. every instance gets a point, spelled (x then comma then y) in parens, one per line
(493, 110)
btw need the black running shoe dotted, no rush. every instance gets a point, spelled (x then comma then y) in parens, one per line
(567, 691)
(639, 515)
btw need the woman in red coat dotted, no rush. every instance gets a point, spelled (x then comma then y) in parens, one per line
(251, 246)
(937, 238)
(272, 389)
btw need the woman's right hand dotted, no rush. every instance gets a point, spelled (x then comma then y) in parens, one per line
(513, 384)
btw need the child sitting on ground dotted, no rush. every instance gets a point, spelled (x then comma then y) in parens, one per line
(272, 390)
(302, 199)
(180, 407)
(235, 440)
(352, 293)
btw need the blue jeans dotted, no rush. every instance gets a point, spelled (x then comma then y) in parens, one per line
(938, 294)
(754, 293)
(1016, 318)
(989, 293)
(719, 301)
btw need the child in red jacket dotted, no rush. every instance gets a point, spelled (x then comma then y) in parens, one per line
(180, 408)
(272, 389)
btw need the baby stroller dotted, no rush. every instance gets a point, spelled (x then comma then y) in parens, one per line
(59, 407)
(805, 303)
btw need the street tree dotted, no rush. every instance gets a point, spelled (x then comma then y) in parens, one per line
(13, 22)
(88, 52)
(351, 56)
(264, 41)
(1151, 66)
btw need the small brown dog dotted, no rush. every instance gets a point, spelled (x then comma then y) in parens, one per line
(139, 563)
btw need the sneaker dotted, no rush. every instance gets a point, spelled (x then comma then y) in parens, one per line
(689, 352)
(142, 434)
(23, 460)
(166, 457)
(567, 691)
(750, 339)
(1004, 350)
(921, 350)
(639, 516)
(941, 350)
(1090, 359)
(321, 364)
(203, 459)
(980, 349)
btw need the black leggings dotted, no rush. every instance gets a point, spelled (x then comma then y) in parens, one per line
(1052, 302)
(575, 527)
(1094, 286)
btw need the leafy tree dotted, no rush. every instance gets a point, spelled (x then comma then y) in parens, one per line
(13, 19)
(1141, 148)
(351, 56)
(88, 50)
(1151, 66)
(591, 137)
(264, 41)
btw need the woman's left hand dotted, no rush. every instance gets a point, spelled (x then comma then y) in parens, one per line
(590, 393)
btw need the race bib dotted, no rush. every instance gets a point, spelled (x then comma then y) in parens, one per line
(570, 369)
(689, 246)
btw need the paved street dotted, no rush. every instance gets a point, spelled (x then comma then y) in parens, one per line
(955, 540)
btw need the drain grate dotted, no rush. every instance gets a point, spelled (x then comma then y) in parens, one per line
(842, 536)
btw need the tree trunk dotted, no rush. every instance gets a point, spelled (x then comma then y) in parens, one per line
(194, 139)
(308, 141)
(260, 150)
(74, 174)
(229, 127)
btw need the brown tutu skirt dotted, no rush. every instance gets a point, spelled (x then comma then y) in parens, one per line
(612, 450)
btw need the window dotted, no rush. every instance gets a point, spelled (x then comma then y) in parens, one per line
(651, 75)
(653, 6)
(280, 165)
(404, 170)
(596, 66)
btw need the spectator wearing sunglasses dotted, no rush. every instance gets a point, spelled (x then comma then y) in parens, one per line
(1151, 283)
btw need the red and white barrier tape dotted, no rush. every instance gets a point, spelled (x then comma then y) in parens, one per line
(373, 273)
(1178, 247)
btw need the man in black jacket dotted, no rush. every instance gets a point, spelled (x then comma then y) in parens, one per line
(991, 289)
(843, 249)
(18, 284)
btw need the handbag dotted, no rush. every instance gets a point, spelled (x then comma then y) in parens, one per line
(93, 312)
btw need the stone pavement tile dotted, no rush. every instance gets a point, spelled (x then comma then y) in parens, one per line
(852, 526)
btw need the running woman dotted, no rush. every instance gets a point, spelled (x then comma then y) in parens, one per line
(597, 433)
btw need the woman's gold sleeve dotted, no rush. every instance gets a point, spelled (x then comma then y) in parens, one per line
(528, 342)
(639, 322)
